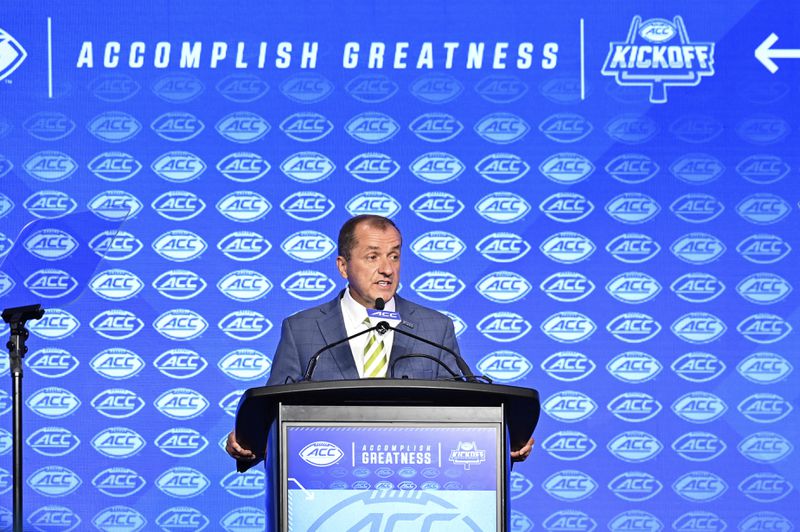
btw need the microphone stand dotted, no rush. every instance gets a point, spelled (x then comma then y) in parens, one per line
(312, 362)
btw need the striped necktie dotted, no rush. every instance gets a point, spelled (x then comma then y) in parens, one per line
(375, 362)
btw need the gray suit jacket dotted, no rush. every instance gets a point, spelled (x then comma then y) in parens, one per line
(306, 332)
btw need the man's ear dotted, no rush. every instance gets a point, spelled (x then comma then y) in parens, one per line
(341, 265)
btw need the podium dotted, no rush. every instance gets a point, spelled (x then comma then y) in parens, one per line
(386, 454)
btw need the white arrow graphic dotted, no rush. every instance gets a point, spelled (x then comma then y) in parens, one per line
(308, 494)
(765, 53)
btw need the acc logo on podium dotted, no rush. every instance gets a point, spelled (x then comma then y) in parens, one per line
(321, 454)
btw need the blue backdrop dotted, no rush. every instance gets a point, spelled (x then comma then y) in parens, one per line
(601, 194)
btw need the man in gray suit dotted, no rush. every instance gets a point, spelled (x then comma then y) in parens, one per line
(369, 258)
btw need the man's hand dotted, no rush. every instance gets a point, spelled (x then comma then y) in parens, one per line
(236, 451)
(521, 454)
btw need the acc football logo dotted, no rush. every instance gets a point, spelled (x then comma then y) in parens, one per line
(569, 445)
(634, 367)
(181, 442)
(115, 205)
(372, 127)
(633, 248)
(180, 518)
(437, 286)
(244, 246)
(114, 126)
(763, 248)
(763, 208)
(437, 167)
(178, 205)
(696, 129)
(245, 325)
(519, 486)
(117, 363)
(633, 287)
(50, 166)
(635, 446)
(182, 482)
(635, 486)
(307, 167)
(116, 285)
(117, 403)
(697, 208)
(765, 407)
(697, 287)
(109, 518)
(503, 247)
(504, 366)
(568, 366)
(306, 88)
(178, 166)
(765, 487)
(6, 284)
(436, 88)
(180, 324)
(308, 246)
(698, 327)
(307, 206)
(49, 125)
(116, 245)
(437, 246)
(698, 366)
(51, 244)
(699, 446)
(436, 127)
(568, 327)
(242, 127)
(180, 363)
(503, 287)
(635, 520)
(632, 168)
(764, 328)
(697, 168)
(373, 202)
(372, 167)
(118, 482)
(764, 288)
(53, 441)
(763, 169)
(699, 407)
(228, 404)
(242, 88)
(50, 283)
(649, 56)
(114, 88)
(12, 54)
(177, 126)
(504, 326)
(633, 208)
(243, 206)
(567, 247)
(371, 88)
(502, 207)
(567, 286)
(53, 402)
(116, 324)
(55, 325)
(308, 285)
(459, 325)
(306, 127)
(566, 207)
(764, 520)
(569, 485)
(52, 362)
(502, 128)
(499, 88)
(566, 168)
(765, 447)
(634, 406)
(53, 481)
(632, 128)
(565, 127)
(179, 284)
(49, 204)
(114, 166)
(321, 454)
(502, 167)
(764, 368)
(245, 364)
(763, 129)
(178, 88)
(243, 166)
(181, 403)
(700, 486)
(698, 248)
(179, 245)
(436, 206)
(244, 285)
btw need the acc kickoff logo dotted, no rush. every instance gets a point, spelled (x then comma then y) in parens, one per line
(763, 248)
(180, 363)
(763, 208)
(308, 246)
(764, 328)
(179, 284)
(245, 325)
(181, 442)
(658, 53)
(570, 485)
(244, 285)
(633, 208)
(117, 363)
(242, 88)
(437, 286)
(633, 248)
(698, 327)
(306, 88)
(437, 167)
(55, 325)
(699, 446)
(242, 127)
(179, 245)
(764, 288)
(52, 362)
(177, 126)
(181, 403)
(114, 126)
(243, 206)
(53, 441)
(50, 283)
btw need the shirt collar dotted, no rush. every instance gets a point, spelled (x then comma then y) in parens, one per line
(356, 311)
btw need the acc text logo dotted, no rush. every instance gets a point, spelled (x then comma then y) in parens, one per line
(633, 287)
(321, 454)
(567, 286)
(243, 206)
(307, 167)
(502, 167)
(634, 367)
(569, 406)
(504, 326)
(569, 445)
(244, 246)
(243, 166)
(437, 285)
(698, 366)
(117, 363)
(566, 207)
(566, 168)
(436, 127)
(372, 167)
(697, 287)
(306, 127)
(635, 446)
(570, 485)
(632, 168)
(505, 366)
(503, 247)
(372, 127)
(699, 407)
(568, 327)
(180, 324)
(114, 166)
(633, 327)
(699, 446)
(502, 128)
(503, 287)
(308, 285)
(634, 406)
(633, 248)
(178, 205)
(568, 366)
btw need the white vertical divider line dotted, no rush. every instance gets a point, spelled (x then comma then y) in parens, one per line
(50, 57)
(583, 64)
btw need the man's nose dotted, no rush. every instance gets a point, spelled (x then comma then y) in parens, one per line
(385, 266)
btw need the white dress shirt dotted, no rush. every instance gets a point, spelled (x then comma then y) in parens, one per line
(354, 313)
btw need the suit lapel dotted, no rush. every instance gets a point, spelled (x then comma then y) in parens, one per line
(331, 326)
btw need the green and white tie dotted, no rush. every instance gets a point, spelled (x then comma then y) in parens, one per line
(374, 357)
